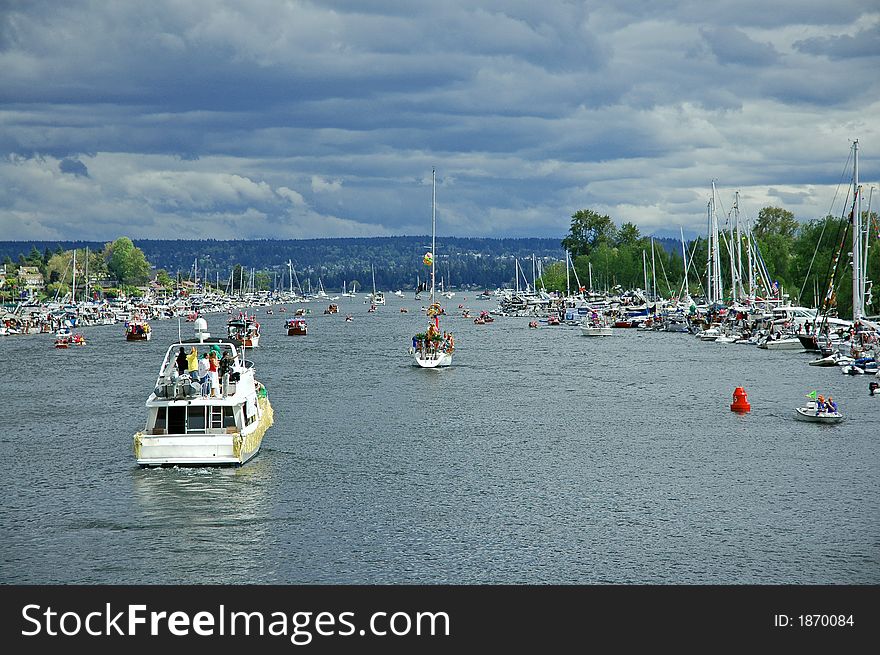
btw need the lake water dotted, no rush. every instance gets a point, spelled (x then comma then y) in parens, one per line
(541, 456)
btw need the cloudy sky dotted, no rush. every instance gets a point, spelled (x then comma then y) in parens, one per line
(292, 119)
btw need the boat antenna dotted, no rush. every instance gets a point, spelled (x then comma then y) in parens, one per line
(433, 230)
(179, 335)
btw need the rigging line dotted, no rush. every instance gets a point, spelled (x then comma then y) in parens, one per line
(831, 287)
(831, 273)
(663, 268)
(825, 223)
(690, 264)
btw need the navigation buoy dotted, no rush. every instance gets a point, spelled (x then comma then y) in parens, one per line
(740, 401)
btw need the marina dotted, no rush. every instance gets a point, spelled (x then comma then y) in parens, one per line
(550, 467)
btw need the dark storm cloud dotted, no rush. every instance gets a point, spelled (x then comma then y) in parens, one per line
(73, 167)
(865, 43)
(733, 46)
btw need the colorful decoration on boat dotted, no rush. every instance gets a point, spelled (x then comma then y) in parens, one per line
(428, 258)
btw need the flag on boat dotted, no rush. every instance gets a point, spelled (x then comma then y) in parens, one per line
(812, 395)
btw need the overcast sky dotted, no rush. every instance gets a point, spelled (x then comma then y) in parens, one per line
(271, 119)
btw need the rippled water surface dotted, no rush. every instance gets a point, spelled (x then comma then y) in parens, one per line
(541, 456)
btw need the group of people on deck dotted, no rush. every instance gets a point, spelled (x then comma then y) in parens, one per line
(208, 369)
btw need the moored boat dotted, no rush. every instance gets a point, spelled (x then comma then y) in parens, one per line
(186, 428)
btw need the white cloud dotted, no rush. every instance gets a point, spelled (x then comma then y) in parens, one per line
(322, 185)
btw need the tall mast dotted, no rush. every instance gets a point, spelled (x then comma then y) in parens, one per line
(710, 294)
(73, 284)
(86, 287)
(715, 251)
(433, 230)
(567, 275)
(738, 241)
(858, 277)
(685, 255)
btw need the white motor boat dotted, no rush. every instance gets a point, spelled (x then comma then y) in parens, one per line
(709, 334)
(834, 359)
(244, 331)
(185, 428)
(811, 414)
(785, 343)
(596, 329)
(596, 325)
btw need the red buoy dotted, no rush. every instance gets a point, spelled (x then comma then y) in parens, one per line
(740, 401)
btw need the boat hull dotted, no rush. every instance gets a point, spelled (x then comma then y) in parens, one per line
(596, 331)
(782, 344)
(810, 416)
(216, 449)
(432, 360)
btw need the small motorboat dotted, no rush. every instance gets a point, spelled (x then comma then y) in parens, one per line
(830, 360)
(811, 413)
(532, 324)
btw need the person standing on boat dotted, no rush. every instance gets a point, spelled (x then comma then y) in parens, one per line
(820, 405)
(213, 374)
(224, 369)
(181, 361)
(832, 406)
(192, 363)
(203, 372)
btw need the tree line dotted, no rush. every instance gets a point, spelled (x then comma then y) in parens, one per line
(809, 261)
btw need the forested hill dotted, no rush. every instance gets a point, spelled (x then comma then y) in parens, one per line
(397, 261)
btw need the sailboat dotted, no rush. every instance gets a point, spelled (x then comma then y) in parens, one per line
(420, 286)
(433, 348)
(377, 297)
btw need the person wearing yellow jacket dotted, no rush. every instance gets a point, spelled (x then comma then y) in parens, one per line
(192, 363)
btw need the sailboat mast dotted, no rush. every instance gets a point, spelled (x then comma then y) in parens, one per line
(73, 284)
(567, 275)
(685, 255)
(433, 230)
(653, 272)
(710, 293)
(858, 278)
